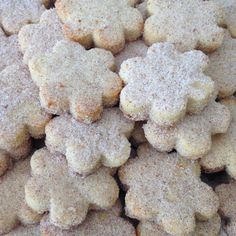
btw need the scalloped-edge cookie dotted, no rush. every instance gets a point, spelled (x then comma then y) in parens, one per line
(21, 115)
(223, 152)
(87, 147)
(192, 137)
(37, 39)
(12, 207)
(230, 14)
(203, 228)
(165, 84)
(66, 195)
(25, 231)
(227, 196)
(14, 13)
(166, 189)
(105, 23)
(9, 50)
(189, 24)
(133, 49)
(222, 67)
(72, 79)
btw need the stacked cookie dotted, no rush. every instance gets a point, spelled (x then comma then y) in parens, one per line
(133, 104)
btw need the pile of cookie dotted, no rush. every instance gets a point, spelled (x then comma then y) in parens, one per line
(118, 117)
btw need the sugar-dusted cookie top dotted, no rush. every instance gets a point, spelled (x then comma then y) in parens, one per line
(230, 14)
(142, 7)
(67, 196)
(192, 137)
(36, 39)
(9, 50)
(14, 13)
(12, 209)
(167, 189)
(25, 231)
(165, 84)
(21, 115)
(87, 146)
(133, 49)
(105, 23)
(96, 224)
(189, 24)
(222, 66)
(203, 228)
(223, 151)
(73, 79)
(227, 196)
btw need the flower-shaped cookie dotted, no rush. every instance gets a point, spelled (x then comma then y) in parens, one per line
(192, 136)
(166, 189)
(222, 67)
(223, 151)
(36, 39)
(165, 84)
(21, 115)
(189, 24)
(73, 79)
(9, 50)
(104, 23)
(67, 196)
(203, 228)
(230, 18)
(14, 13)
(227, 196)
(86, 147)
(12, 208)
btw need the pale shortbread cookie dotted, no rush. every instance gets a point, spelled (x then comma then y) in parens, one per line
(230, 18)
(9, 50)
(166, 189)
(222, 67)
(227, 196)
(142, 7)
(12, 208)
(189, 24)
(14, 13)
(133, 49)
(87, 147)
(165, 84)
(192, 137)
(36, 39)
(203, 228)
(25, 231)
(73, 79)
(96, 224)
(138, 133)
(105, 23)
(223, 151)
(67, 196)
(21, 115)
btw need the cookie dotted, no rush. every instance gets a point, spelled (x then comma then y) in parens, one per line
(96, 224)
(189, 24)
(25, 231)
(37, 39)
(223, 153)
(167, 189)
(21, 115)
(67, 196)
(74, 80)
(230, 12)
(138, 135)
(203, 228)
(106, 24)
(222, 67)
(12, 210)
(142, 7)
(87, 147)
(133, 49)
(165, 84)
(14, 14)
(192, 137)
(9, 50)
(227, 196)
